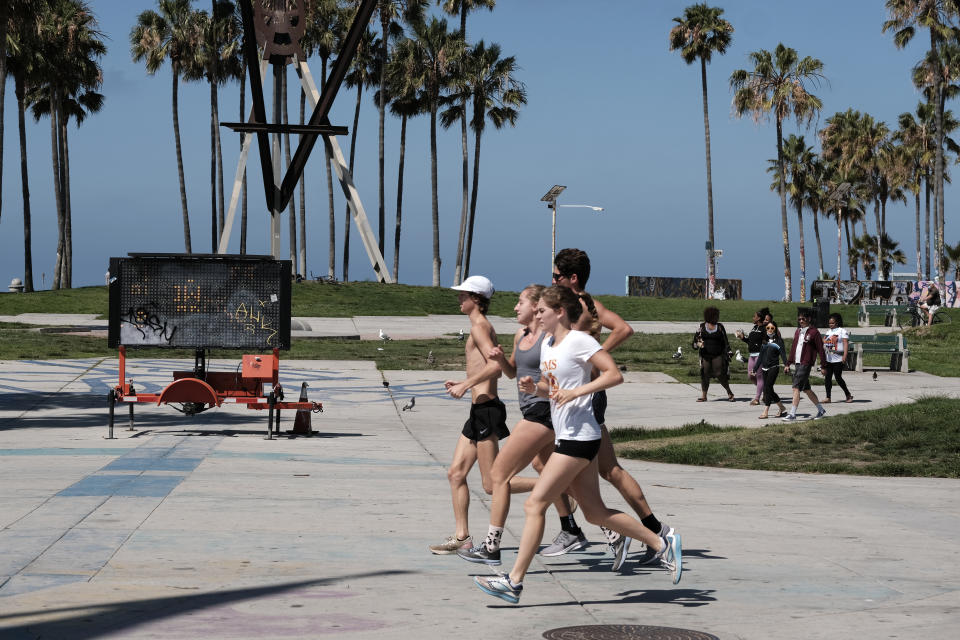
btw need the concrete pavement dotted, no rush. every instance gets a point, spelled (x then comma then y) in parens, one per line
(198, 527)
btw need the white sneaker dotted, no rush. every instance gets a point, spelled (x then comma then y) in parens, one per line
(671, 556)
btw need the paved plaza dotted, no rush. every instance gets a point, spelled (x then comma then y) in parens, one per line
(195, 527)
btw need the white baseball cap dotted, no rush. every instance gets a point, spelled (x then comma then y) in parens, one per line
(476, 284)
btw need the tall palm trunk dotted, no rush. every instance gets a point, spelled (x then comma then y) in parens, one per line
(292, 205)
(302, 256)
(332, 223)
(176, 139)
(712, 275)
(216, 131)
(24, 184)
(876, 215)
(67, 280)
(3, 85)
(459, 269)
(788, 294)
(396, 230)
(938, 175)
(214, 236)
(346, 219)
(434, 204)
(839, 243)
(243, 118)
(916, 197)
(57, 186)
(473, 198)
(851, 264)
(381, 121)
(816, 233)
(803, 257)
(926, 182)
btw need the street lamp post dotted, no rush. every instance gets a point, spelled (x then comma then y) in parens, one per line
(551, 199)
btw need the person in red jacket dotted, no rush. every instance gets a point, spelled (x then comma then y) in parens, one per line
(806, 348)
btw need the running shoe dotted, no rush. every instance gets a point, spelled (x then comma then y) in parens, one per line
(451, 545)
(564, 543)
(499, 587)
(671, 556)
(480, 553)
(820, 413)
(619, 549)
(649, 555)
(790, 417)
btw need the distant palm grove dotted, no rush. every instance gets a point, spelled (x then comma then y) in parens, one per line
(411, 62)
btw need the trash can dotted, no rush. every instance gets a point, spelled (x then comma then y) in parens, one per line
(821, 312)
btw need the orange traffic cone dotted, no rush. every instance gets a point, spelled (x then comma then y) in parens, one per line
(301, 424)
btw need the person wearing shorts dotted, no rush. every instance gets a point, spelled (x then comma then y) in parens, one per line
(567, 363)
(532, 436)
(572, 270)
(480, 437)
(806, 348)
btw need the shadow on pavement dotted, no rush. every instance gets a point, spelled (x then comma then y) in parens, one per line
(93, 621)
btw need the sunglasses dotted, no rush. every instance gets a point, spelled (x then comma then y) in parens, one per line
(556, 276)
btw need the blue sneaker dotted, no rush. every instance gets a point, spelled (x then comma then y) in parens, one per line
(479, 553)
(500, 587)
(790, 417)
(671, 556)
(820, 413)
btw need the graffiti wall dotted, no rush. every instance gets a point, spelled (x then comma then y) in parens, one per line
(879, 291)
(657, 287)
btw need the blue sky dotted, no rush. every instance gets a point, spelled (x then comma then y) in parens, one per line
(612, 114)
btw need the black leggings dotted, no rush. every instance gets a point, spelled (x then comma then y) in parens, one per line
(834, 369)
(769, 377)
(714, 367)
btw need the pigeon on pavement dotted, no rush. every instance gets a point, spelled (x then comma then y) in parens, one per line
(874, 375)
(739, 356)
(384, 336)
(410, 404)
(678, 354)
(431, 358)
(460, 336)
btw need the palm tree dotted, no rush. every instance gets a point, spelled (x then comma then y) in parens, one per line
(798, 160)
(461, 8)
(169, 34)
(895, 172)
(952, 254)
(817, 200)
(436, 49)
(935, 16)
(488, 83)
(23, 56)
(362, 74)
(405, 103)
(865, 250)
(778, 84)
(854, 142)
(215, 62)
(698, 34)
(389, 12)
(325, 28)
(66, 84)
(915, 138)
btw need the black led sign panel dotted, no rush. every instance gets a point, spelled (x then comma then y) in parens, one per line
(200, 301)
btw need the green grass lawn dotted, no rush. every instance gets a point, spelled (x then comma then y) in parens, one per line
(918, 439)
(373, 299)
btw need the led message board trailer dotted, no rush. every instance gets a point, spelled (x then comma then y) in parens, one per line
(199, 301)
(202, 302)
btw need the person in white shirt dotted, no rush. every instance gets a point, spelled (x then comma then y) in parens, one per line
(567, 359)
(836, 342)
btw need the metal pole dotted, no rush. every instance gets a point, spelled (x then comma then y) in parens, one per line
(111, 403)
(130, 428)
(553, 246)
(277, 206)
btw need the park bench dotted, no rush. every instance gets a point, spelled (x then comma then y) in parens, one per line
(893, 344)
(894, 315)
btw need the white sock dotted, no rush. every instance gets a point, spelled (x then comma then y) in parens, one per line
(793, 409)
(493, 538)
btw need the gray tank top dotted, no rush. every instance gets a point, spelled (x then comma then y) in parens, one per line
(528, 364)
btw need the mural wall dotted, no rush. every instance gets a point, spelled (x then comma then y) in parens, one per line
(657, 287)
(879, 291)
